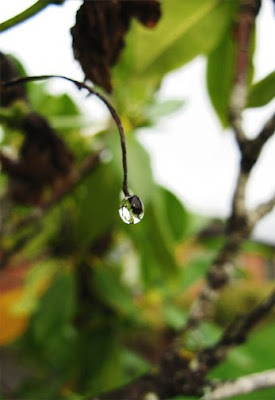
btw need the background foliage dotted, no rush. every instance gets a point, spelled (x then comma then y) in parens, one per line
(90, 303)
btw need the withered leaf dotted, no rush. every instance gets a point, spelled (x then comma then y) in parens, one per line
(7, 73)
(99, 33)
(43, 159)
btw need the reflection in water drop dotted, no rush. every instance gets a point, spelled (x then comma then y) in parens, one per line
(131, 210)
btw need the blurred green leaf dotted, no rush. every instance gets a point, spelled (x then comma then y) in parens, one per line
(196, 269)
(185, 30)
(262, 92)
(154, 245)
(52, 105)
(257, 354)
(180, 34)
(203, 336)
(37, 277)
(41, 390)
(160, 109)
(99, 360)
(264, 394)
(108, 286)
(176, 217)
(97, 200)
(133, 364)
(183, 398)
(220, 73)
(174, 316)
(140, 176)
(140, 172)
(56, 308)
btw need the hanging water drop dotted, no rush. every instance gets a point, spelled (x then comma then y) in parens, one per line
(131, 210)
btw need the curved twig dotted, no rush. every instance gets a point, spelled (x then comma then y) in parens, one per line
(82, 85)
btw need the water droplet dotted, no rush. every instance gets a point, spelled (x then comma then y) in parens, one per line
(131, 210)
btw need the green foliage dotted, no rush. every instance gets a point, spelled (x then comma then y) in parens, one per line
(95, 212)
(186, 30)
(196, 269)
(255, 355)
(56, 308)
(157, 110)
(220, 76)
(179, 36)
(109, 289)
(175, 216)
(262, 92)
(220, 73)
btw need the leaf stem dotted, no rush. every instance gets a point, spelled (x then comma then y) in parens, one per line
(24, 15)
(82, 85)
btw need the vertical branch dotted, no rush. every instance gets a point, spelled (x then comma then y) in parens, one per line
(239, 224)
(243, 29)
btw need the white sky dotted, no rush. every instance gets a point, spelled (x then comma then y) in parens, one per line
(190, 153)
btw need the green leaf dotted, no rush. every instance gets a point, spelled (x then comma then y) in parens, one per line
(108, 285)
(99, 361)
(133, 364)
(161, 109)
(174, 316)
(140, 176)
(203, 336)
(262, 92)
(37, 276)
(196, 269)
(185, 30)
(97, 200)
(50, 105)
(220, 72)
(183, 398)
(176, 217)
(56, 308)
(257, 354)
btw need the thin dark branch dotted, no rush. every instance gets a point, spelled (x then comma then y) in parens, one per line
(82, 85)
(235, 334)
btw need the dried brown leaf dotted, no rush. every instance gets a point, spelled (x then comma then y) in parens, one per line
(43, 160)
(99, 33)
(7, 73)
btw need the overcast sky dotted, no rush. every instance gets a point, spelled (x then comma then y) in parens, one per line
(190, 152)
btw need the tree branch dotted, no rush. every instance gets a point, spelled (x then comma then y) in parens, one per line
(235, 334)
(180, 375)
(246, 18)
(241, 221)
(245, 384)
